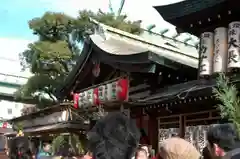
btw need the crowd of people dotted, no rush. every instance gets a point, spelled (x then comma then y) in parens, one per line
(115, 136)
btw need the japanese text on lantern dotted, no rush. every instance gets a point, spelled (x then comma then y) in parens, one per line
(233, 45)
(217, 51)
(206, 54)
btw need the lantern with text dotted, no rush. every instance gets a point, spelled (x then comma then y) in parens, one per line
(102, 94)
(90, 97)
(82, 103)
(75, 99)
(116, 91)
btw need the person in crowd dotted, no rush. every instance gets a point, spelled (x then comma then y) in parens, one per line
(88, 155)
(146, 148)
(115, 136)
(45, 151)
(20, 148)
(177, 148)
(141, 154)
(223, 141)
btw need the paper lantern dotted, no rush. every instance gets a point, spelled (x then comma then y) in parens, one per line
(102, 94)
(220, 50)
(233, 45)
(206, 54)
(122, 89)
(95, 97)
(75, 100)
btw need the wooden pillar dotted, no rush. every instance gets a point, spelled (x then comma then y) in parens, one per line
(182, 125)
(153, 132)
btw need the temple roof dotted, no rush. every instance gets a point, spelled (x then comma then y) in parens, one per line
(184, 8)
(123, 51)
(195, 16)
(116, 47)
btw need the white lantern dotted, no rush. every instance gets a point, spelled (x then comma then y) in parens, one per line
(220, 50)
(206, 54)
(233, 45)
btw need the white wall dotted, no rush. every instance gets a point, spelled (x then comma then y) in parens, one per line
(9, 110)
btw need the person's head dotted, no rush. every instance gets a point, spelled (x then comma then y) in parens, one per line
(177, 148)
(115, 136)
(221, 138)
(88, 155)
(46, 147)
(20, 148)
(141, 154)
(146, 148)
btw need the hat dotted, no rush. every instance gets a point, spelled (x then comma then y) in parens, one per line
(177, 148)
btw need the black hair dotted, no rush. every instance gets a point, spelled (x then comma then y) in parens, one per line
(206, 154)
(115, 136)
(20, 148)
(224, 135)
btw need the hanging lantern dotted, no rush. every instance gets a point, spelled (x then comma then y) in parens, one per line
(95, 97)
(233, 45)
(96, 69)
(206, 54)
(75, 99)
(220, 50)
(122, 89)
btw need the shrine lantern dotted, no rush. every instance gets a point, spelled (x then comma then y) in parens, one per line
(82, 102)
(102, 94)
(233, 45)
(95, 97)
(115, 91)
(206, 54)
(220, 50)
(122, 89)
(75, 99)
(92, 97)
(96, 69)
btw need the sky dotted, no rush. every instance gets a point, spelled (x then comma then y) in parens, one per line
(15, 14)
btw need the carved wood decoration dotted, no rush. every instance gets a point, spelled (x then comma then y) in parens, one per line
(197, 135)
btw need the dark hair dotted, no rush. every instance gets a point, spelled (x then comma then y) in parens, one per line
(20, 148)
(224, 135)
(140, 150)
(206, 154)
(115, 136)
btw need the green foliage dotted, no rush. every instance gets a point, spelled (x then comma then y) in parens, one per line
(57, 143)
(227, 94)
(49, 58)
(119, 22)
(76, 145)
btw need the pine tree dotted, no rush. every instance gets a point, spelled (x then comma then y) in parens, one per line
(227, 94)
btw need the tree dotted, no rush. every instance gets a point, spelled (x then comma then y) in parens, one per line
(227, 94)
(116, 21)
(52, 56)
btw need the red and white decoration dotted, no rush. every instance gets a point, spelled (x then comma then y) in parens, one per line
(116, 91)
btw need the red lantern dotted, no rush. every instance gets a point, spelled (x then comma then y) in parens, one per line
(76, 99)
(96, 70)
(122, 89)
(95, 97)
